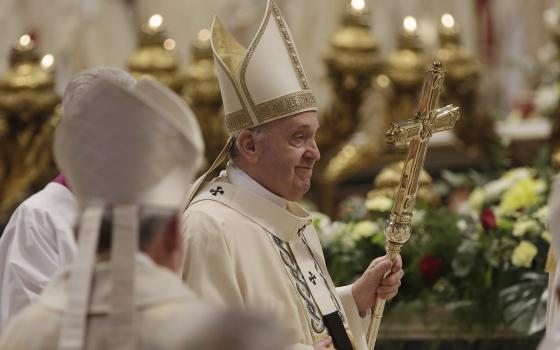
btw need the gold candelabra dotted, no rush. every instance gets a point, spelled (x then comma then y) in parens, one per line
(201, 90)
(475, 130)
(415, 133)
(29, 112)
(352, 60)
(386, 184)
(392, 94)
(155, 54)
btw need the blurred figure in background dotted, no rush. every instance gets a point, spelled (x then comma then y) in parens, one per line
(39, 238)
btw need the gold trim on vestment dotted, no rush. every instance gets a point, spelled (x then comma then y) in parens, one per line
(294, 57)
(285, 105)
(222, 43)
(288, 104)
(237, 121)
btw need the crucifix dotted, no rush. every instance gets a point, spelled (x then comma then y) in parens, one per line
(416, 133)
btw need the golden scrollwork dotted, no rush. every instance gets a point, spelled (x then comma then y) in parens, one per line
(29, 112)
(155, 55)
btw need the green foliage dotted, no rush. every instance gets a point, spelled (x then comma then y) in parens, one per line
(483, 259)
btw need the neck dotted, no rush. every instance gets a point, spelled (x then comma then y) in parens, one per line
(242, 177)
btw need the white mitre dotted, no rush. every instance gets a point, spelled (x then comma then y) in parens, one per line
(121, 149)
(261, 83)
(264, 82)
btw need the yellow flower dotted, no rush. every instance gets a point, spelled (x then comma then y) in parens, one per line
(380, 203)
(364, 228)
(524, 254)
(523, 194)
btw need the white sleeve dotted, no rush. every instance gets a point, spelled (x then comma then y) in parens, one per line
(30, 260)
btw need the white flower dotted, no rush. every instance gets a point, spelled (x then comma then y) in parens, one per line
(379, 203)
(476, 199)
(546, 98)
(347, 242)
(462, 225)
(418, 217)
(364, 228)
(524, 254)
(522, 227)
(542, 215)
(330, 232)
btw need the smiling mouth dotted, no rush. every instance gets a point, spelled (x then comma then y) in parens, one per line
(304, 171)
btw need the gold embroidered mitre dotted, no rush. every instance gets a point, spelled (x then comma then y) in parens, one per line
(263, 82)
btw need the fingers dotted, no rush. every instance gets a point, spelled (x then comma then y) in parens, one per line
(397, 263)
(387, 296)
(393, 278)
(377, 261)
(377, 273)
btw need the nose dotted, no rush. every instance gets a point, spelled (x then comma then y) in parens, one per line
(313, 152)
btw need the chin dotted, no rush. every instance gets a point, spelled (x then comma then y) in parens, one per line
(300, 192)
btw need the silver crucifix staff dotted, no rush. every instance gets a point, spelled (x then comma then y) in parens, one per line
(417, 133)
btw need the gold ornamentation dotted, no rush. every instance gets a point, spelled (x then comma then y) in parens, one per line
(283, 105)
(288, 104)
(249, 55)
(352, 61)
(387, 182)
(476, 130)
(237, 121)
(397, 231)
(29, 112)
(201, 90)
(392, 97)
(290, 46)
(267, 111)
(155, 56)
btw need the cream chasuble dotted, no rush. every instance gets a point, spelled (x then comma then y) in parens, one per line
(164, 308)
(243, 248)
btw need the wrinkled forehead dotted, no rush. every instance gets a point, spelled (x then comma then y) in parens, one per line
(304, 120)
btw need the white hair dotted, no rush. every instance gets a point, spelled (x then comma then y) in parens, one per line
(83, 81)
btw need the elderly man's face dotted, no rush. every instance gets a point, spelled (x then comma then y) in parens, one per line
(287, 153)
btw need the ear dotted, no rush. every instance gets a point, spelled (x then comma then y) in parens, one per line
(247, 146)
(172, 239)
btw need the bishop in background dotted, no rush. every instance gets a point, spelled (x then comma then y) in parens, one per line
(248, 242)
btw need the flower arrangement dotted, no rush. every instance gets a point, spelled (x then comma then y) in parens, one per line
(486, 250)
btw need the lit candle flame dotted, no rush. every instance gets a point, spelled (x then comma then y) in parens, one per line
(448, 21)
(204, 35)
(155, 21)
(25, 40)
(409, 24)
(358, 5)
(47, 61)
(169, 44)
